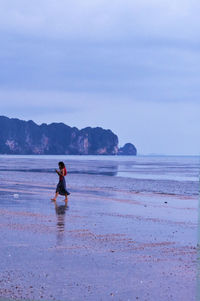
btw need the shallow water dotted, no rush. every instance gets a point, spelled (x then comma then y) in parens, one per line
(176, 175)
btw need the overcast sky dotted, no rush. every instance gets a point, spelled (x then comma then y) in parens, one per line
(132, 66)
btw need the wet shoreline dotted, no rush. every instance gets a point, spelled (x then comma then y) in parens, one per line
(110, 244)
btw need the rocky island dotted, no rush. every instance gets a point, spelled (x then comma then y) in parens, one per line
(27, 137)
(128, 149)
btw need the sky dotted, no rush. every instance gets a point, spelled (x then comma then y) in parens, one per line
(132, 66)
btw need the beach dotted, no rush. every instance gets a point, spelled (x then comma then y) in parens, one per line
(130, 232)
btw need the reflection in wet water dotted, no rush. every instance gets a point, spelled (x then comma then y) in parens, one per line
(60, 213)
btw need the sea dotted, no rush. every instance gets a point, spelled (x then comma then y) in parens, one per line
(178, 175)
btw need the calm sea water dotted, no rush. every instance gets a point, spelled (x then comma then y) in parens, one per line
(170, 175)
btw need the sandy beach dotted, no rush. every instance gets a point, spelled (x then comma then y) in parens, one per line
(116, 241)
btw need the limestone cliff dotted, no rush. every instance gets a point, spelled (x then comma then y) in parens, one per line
(26, 137)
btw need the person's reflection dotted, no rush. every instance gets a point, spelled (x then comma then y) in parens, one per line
(60, 213)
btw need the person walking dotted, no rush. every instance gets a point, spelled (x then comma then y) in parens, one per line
(61, 186)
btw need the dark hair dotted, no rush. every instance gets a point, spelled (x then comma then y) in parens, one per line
(61, 164)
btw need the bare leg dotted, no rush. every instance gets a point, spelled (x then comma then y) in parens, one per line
(55, 197)
(56, 206)
(66, 199)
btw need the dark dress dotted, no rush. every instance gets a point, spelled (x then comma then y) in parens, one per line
(61, 187)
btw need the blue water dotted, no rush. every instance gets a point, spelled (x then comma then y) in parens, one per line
(172, 174)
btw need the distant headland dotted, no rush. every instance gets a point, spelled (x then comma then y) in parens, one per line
(28, 138)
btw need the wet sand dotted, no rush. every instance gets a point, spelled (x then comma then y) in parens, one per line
(111, 244)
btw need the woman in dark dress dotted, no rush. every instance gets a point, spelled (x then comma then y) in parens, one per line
(61, 187)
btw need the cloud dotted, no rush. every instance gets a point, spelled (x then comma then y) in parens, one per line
(100, 19)
(146, 49)
(142, 70)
